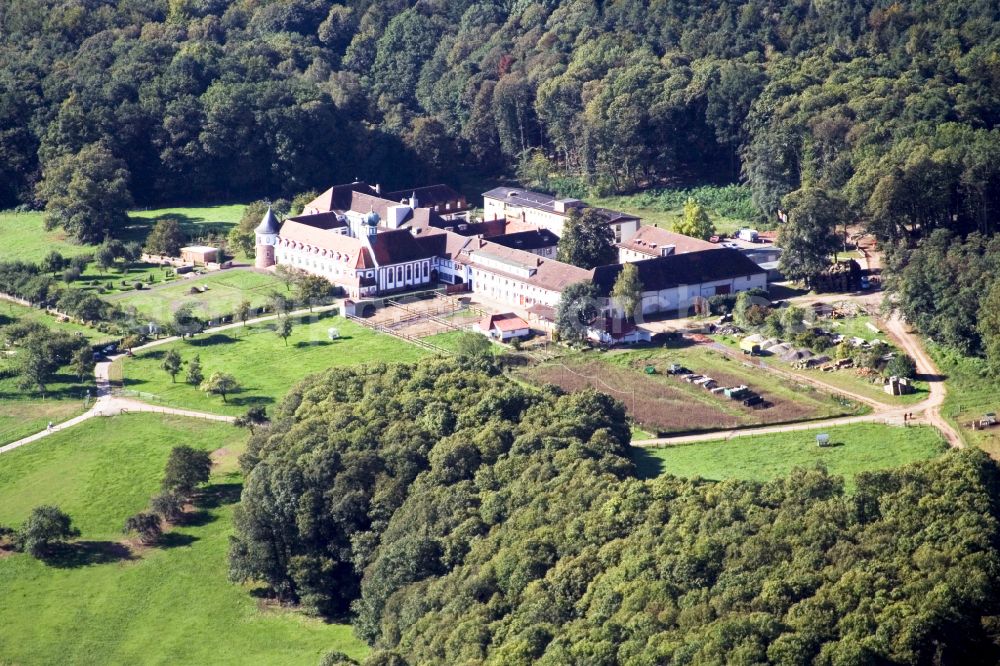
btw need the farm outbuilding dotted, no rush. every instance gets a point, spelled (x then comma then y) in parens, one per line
(503, 326)
(200, 254)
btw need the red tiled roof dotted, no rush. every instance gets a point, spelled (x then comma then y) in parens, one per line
(651, 240)
(505, 322)
(353, 251)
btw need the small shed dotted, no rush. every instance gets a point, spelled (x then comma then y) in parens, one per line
(503, 326)
(823, 440)
(199, 254)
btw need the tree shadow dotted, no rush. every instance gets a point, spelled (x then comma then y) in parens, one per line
(86, 553)
(219, 494)
(214, 339)
(175, 540)
(647, 466)
(312, 343)
(921, 377)
(197, 519)
(250, 400)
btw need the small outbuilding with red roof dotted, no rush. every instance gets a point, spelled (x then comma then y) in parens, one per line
(503, 326)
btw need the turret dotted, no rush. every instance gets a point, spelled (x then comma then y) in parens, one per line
(266, 238)
(371, 221)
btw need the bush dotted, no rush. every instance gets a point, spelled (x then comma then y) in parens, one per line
(45, 527)
(901, 365)
(137, 285)
(71, 274)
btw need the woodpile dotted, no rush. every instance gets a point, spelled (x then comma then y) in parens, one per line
(841, 276)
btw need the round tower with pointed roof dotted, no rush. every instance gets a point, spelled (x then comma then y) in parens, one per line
(266, 235)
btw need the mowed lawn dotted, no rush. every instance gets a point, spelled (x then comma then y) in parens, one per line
(171, 604)
(194, 221)
(854, 449)
(224, 291)
(261, 362)
(25, 238)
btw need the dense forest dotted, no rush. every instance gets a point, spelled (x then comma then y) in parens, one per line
(891, 105)
(459, 518)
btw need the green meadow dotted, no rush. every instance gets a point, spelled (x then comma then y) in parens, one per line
(261, 362)
(102, 604)
(853, 449)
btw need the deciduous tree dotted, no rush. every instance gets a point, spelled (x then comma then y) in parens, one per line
(695, 221)
(809, 237)
(172, 364)
(627, 291)
(145, 525)
(220, 383)
(587, 240)
(186, 469)
(86, 193)
(46, 526)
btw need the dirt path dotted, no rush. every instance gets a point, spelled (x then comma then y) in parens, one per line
(899, 331)
(109, 405)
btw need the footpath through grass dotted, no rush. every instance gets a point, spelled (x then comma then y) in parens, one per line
(170, 604)
(261, 362)
(25, 412)
(854, 449)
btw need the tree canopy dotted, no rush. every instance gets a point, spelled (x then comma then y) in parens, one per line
(695, 221)
(893, 106)
(464, 518)
(587, 240)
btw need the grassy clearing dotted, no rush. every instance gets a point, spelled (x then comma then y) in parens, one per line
(224, 290)
(195, 222)
(660, 402)
(261, 362)
(25, 237)
(665, 217)
(856, 448)
(171, 604)
(972, 392)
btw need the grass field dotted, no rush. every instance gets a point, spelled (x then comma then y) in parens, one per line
(634, 205)
(855, 448)
(195, 222)
(171, 604)
(661, 402)
(25, 237)
(224, 290)
(972, 392)
(261, 362)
